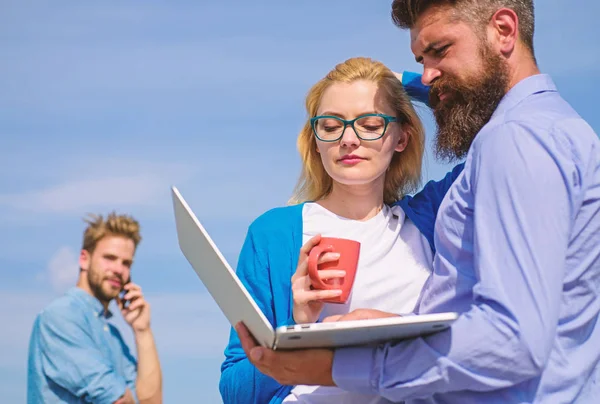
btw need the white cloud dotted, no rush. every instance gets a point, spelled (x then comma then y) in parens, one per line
(62, 269)
(80, 186)
(76, 196)
(216, 187)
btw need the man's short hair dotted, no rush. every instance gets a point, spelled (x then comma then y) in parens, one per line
(478, 12)
(114, 225)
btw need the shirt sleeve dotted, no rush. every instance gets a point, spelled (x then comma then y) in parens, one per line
(520, 237)
(70, 359)
(241, 382)
(129, 364)
(422, 208)
(415, 88)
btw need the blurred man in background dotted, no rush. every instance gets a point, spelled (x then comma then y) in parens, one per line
(76, 355)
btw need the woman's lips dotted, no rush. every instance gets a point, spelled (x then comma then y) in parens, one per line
(351, 159)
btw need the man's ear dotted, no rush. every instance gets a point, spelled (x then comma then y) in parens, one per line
(402, 140)
(505, 30)
(84, 260)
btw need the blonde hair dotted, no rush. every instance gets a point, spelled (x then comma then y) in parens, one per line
(404, 173)
(114, 225)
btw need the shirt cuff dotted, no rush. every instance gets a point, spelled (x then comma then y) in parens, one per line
(111, 394)
(415, 88)
(352, 369)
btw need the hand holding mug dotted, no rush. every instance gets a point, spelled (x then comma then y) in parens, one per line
(308, 301)
(348, 251)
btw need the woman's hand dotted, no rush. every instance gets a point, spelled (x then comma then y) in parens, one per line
(360, 314)
(308, 302)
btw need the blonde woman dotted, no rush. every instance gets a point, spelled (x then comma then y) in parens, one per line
(361, 149)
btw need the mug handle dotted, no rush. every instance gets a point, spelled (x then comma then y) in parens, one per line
(313, 270)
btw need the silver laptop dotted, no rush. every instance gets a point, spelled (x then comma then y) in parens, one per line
(237, 304)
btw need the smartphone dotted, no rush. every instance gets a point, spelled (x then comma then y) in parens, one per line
(123, 293)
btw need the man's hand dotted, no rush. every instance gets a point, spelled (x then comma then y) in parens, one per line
(126, 398)
(311, 367)
(360, 314)
(137, 312)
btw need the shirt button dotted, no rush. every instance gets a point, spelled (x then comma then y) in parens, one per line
(105, 328)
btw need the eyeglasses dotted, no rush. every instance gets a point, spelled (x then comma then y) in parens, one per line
(329, 128)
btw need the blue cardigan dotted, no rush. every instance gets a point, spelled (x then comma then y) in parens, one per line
(266, 264)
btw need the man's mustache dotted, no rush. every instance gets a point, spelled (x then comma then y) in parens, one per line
(438, 87)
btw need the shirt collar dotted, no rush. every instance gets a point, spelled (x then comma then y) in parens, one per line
(538, 83)
(90, 301)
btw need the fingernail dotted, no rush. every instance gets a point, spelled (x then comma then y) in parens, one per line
(256, 354)
(338, 291)
(336, 255)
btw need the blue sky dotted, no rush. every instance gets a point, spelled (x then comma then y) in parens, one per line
(104, 105)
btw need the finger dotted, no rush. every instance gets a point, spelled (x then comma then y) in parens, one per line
(129, 316)
(253, 351)
(331, 273)
(132, 286)
(304, 282)
(348, 317)
(265, 359)
(299, 282)
(246, 339)
(313, 241)
(332, 319)
(328, 257)
(136, 304)
(316, 295)
(133, 294)
(324, 294)
(354, 315)
(307, 283)
(366, 314)
(301, 270)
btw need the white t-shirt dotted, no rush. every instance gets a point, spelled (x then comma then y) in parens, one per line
(394, 263)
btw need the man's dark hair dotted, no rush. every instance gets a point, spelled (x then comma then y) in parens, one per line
(477, 12)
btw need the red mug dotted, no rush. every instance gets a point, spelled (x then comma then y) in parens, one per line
(349, 251)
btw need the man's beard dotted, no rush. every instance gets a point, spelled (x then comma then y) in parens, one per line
(468, 106)
(96, 280)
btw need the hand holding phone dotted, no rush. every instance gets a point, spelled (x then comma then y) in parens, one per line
(134, 308)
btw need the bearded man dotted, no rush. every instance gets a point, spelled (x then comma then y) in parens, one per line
(517, 235)
(75, 354)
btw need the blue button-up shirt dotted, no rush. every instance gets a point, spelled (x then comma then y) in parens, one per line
(518, 255)
(76, 355)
